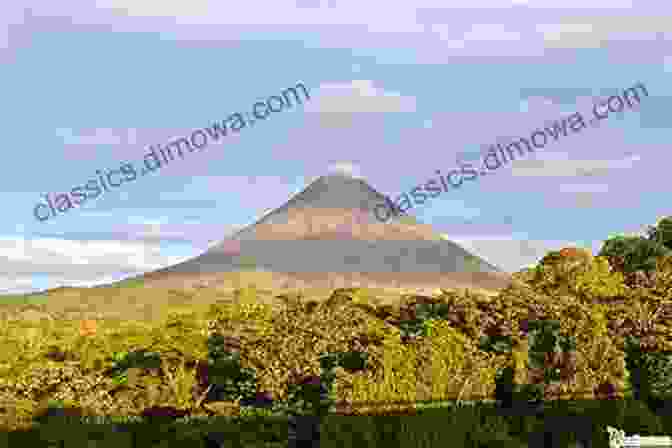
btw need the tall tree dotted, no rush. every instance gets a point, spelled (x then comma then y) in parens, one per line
(662, 232)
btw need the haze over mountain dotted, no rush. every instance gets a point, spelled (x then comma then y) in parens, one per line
(329, 229)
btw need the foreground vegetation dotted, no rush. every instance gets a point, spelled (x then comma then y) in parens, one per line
(573, 327)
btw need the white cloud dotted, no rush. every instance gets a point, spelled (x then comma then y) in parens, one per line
(584, 200)
(584, 188)
(514, 252)
(17, 285)
(545, 166)
(584, 194)
(153, 8)
(347, 168)
(98, 136)
(337, 104)
(358, 96)
(67, 262)
(594, 31)
(488, 32)
(569, 34)
(342, 12)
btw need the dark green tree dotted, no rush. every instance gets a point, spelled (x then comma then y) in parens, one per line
(635, 253)
(661, 232)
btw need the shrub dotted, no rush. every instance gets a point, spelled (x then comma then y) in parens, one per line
(511, 395)
(308, 395)
(650, 372)
(663, 276)
(637, 418)
(598, 357)
(575, 272)
(340, 297)
(394, 377)
(229, 380)
(416, 313)
(496, 343)
(123, 361)
(557, 270)
(426, 311)
(248, 315)
(349, 361)
(548, 360)
(449, 363)
(353, 361)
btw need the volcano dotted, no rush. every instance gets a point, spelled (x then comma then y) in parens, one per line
(328, 232)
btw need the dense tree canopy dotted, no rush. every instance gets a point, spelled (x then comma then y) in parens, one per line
(635, 252)
(662, 232)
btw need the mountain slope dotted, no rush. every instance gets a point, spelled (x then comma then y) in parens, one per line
(335, 191)
(329, 229)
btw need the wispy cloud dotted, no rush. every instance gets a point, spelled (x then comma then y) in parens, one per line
(98, 136)
(434, 30)
(558, 165)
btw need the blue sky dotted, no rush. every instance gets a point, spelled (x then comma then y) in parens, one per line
(398, 90)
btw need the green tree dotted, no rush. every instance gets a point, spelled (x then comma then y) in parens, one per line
(635, 253)
(661, 232)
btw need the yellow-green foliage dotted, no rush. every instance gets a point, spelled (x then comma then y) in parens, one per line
(552, 276)
(246, 310)
(468, 310)
(293, 340)
(453, 364)
(663, 282)
(444, 365)
(360, 295)
(288, 338)
(584, 276)
(643, 315)
(597, 281)
(130, 283)
(599, 359)
(396, 377)
(248, 294)
(520, 361)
